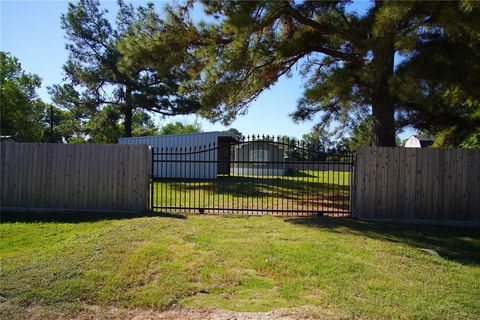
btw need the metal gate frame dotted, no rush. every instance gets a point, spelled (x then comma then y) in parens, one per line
(266, 176)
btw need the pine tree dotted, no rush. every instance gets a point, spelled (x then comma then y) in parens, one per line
(96, 77)
(347, 58)
(438, 84)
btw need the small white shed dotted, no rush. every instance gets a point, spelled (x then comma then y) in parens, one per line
(196, 146)
(418, 141)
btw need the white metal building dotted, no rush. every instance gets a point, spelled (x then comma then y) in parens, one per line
(192, 144)
(259, 158)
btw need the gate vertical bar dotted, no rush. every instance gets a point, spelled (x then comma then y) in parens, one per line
(189, 176)
(352, 166)
(152, 178)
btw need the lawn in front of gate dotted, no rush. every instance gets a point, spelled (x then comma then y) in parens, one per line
(308, 190)
(64, 266)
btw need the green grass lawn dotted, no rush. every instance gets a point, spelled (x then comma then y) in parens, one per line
(307, 190)
(349, 268)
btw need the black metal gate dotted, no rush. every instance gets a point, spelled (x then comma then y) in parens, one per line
(257, 175)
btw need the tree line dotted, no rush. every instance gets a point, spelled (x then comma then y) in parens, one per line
(26, 118)
(369, 75)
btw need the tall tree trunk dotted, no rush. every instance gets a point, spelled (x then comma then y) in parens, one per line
(383, 110)
(128, 113)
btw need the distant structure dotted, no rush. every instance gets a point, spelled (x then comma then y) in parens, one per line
(259, 158)
(208, 153)
(419, 141)
(7, 139)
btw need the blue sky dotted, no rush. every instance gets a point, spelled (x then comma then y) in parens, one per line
(30, 30)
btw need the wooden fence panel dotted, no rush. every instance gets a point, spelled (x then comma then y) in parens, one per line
(410, 184)
(80, 177)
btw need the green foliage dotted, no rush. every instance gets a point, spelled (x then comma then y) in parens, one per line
(143, 124)
(472, 141)
(439, 84)
(61, 126)
(347, 58)
(106, 126)
(235, 133)
(22, 112)
(96, 77)
(361, 135)
(180, 128)
(24, 116)
(317, 139)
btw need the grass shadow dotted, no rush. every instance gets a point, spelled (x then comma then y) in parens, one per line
(75, 217)
(256, 187)
(300, 174)
(461, 244)
(273, 192)
(268, 192)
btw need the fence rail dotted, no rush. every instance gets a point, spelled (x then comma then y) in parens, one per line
(411, 184)
(74, 177)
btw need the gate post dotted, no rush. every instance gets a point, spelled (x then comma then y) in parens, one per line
(353, 169)
(152, 150)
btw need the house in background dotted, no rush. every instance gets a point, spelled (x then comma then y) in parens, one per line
(259, 158)
(419, 141)
(7, 139)
(213, 148)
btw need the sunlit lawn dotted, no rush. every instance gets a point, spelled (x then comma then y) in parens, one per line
(58, 265)
(305, 190)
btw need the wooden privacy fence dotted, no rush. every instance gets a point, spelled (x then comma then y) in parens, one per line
(80, 177)
(410, 184)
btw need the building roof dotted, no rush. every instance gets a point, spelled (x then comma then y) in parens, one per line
(253, 142)
(424, 138)
(7, 139)
(425, 141)
(217, 133)
(419, 141)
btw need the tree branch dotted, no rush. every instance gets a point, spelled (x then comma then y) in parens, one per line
(288, 9)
